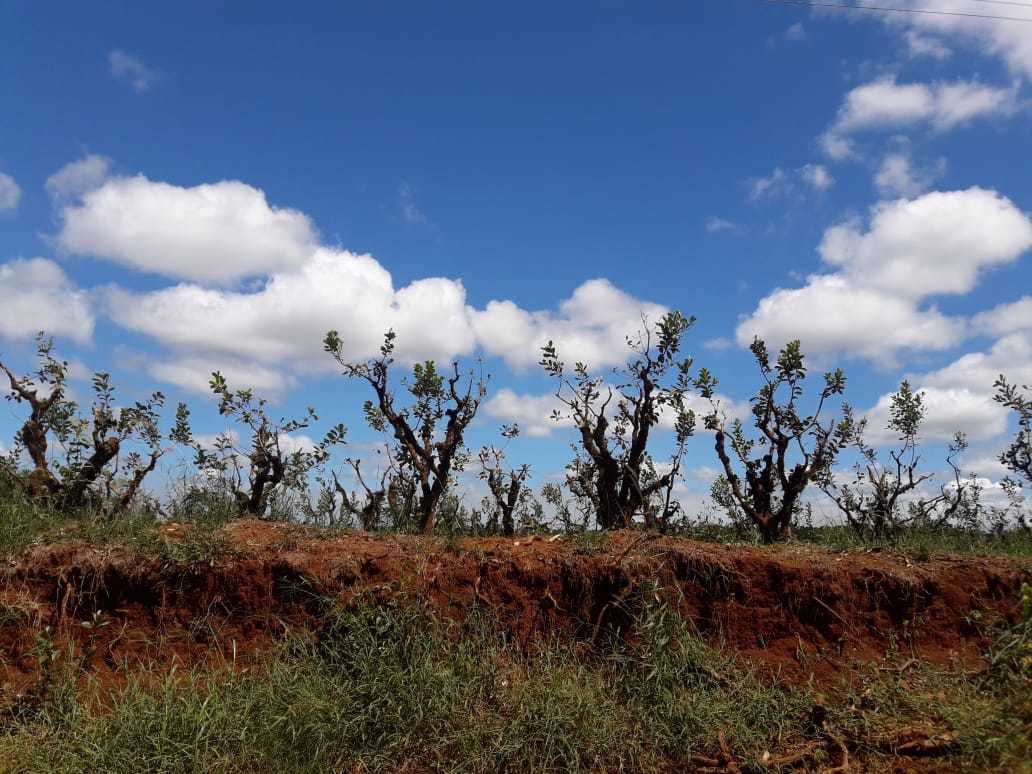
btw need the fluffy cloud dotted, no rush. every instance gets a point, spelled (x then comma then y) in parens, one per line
(703, 474)
(976, 371)
(296, 442)
(38, 295)
(591, 327)
(131, 70)
(887, 104)
(194, 373)
(532, 412)
(1008, 40)
(871, 307)
(217, 232)
(283, 323)
(897, 176)
(986, 465)
(937, 243)
(77, 178)
(959, 396)
(946, 412)
(833, 314)
(286, 319)
(10, 192)
(1005, 318)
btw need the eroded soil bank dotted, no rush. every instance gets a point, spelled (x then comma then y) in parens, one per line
(796, 610)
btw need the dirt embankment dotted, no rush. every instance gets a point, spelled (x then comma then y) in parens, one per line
(794, 610)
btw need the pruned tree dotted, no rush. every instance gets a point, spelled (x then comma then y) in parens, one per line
(1017, 457)
(368, 510)
(790, 450)
(91, 447)
(506, 486)
(957, 500)
(1013, 513)
(874, 499)
(97, 442)
(429, 432)
(267, 466)
(402, 489)
(49, 413)
(573, 514)
(724, 500)
(138, 466)
(618, 463)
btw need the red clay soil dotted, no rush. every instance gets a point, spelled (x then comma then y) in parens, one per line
(795, 610)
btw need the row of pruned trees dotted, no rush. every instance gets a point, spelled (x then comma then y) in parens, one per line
(790, 442)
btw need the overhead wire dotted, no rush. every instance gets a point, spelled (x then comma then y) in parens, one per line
(913, 11)
(1015, 3)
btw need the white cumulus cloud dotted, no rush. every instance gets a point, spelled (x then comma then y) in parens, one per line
(834, 314)
(817, 176)
(946, 412)
(285, 320)
(531, 412)
(796, 32)
(38, 295)
(937, 243)
(887, 104)
(1006, 318)
(874, 304)
(77, 178)
(193, 373)
(959, 396)
(217, 232)
(898, 176)
(591, 327)
(1008, 40)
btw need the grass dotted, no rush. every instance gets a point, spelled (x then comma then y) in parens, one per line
(924, 543)
(25, 522)
(389, 688)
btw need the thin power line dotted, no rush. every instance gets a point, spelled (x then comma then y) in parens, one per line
(1015, 3)
(887, 9)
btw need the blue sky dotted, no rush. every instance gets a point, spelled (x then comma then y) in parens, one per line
(859, 181)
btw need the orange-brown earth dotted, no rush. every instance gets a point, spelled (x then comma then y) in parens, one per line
(795, 610)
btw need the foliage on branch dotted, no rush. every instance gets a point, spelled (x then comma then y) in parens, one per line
(429, 431)
(789, 450)
(266, 466)
(507, 488)
(89, 469)
(1017, 457)
(873, 500)
(618, 472)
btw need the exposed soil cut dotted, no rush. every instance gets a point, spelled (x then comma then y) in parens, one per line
(797, 610)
